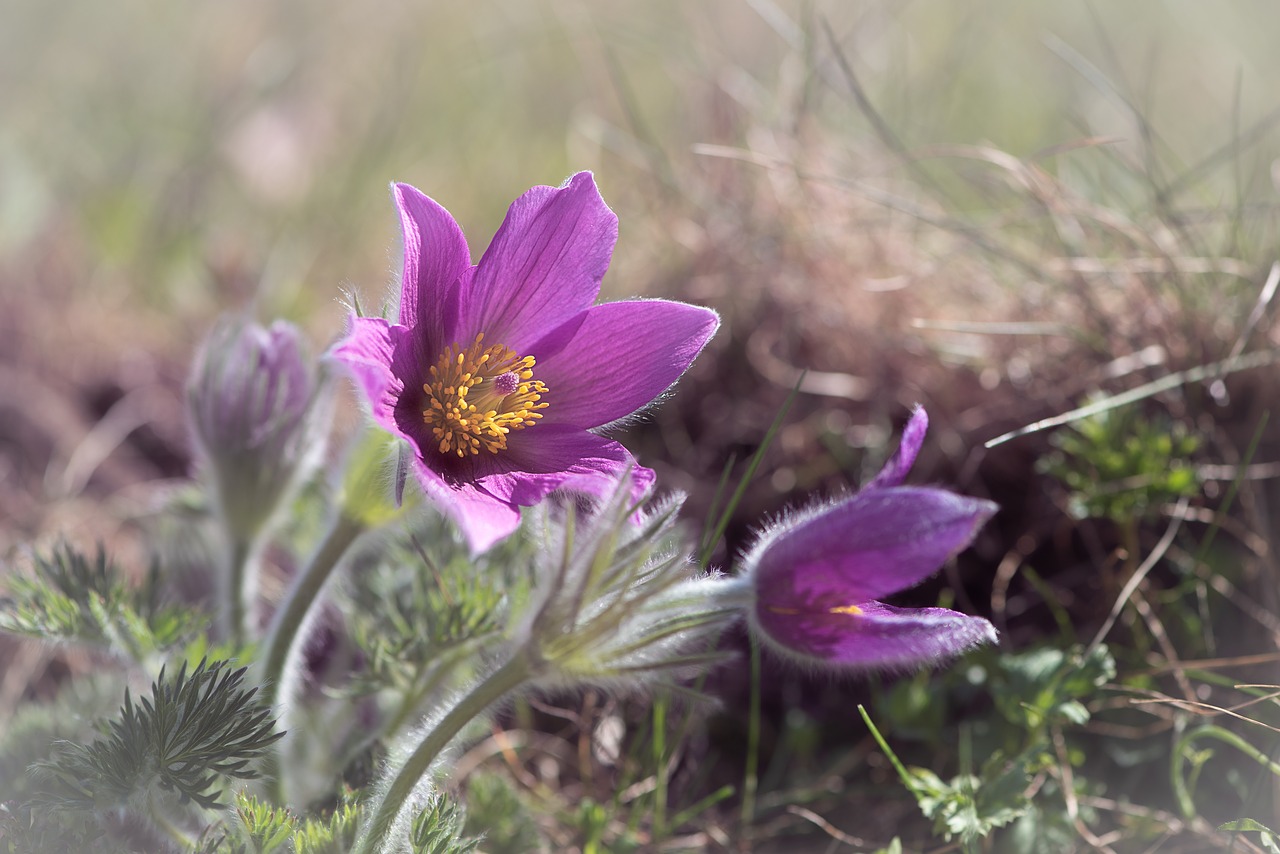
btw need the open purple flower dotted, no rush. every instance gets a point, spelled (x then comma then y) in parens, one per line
(497, 373)
(816, 577)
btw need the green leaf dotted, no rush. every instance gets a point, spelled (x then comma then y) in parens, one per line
(1046, 685)
(1269, 838)
(438, 829)
(71, 597)
(1072, 711)
(262, 828)
(334, 835)
(192, 731)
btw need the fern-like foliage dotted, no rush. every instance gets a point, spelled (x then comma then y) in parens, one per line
(77, 598)
(194, 729)
(334, 835)
(438, 829)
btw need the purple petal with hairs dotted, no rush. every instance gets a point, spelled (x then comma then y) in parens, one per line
(605, 371)
(872, 544)
(544, 265)
(817, 576)
(878, 635)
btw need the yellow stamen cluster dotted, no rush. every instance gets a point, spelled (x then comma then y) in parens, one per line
(851, 610)
(477, 395)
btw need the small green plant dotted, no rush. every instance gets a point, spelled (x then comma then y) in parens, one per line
(72, 597)
(1038, 696)
(1122, 465)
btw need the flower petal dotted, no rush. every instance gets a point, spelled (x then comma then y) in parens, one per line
(618, 358)
(876, 635)
(368, 352)
(543, 266)
(896, 469)
(548, 457)
(877, 542)
(483, 494)
(435, 256)
(483, 518)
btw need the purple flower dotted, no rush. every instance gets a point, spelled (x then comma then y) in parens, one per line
(816, 577)
(497, 373)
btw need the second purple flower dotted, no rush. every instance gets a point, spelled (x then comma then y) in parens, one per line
(816, 577)
(496, 373)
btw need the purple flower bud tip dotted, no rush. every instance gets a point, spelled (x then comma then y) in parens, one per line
(249, 386)
(817, 576)
(497, 374)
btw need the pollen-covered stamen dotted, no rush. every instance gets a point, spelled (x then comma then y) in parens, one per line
(477, 395)
(851, 610)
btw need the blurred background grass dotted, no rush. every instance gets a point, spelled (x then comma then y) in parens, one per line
(163, 163)
(188, 156)
(850, 184)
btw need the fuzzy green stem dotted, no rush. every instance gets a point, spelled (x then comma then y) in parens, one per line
(516, 672)
(239, 586)
(445, 663)
(284, 636)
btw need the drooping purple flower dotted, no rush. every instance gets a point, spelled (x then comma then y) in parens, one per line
(817, 576)
(496, 374)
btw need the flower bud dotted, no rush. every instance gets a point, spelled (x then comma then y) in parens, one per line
(251, 401)
(617, 599)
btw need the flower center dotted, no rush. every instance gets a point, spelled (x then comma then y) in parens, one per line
(477, 395)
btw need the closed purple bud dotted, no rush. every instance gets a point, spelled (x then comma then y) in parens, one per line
(250, 401)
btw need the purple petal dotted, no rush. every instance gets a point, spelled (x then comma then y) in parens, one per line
(874, 634)
(548, 457)
(543, 267)
(483, 518)
(618, 358)
(387, 362)
(876, 543)
(484, 494)
(896, 469)
(368, 352)
(435, 257)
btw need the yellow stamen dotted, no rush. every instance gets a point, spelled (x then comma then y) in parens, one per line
(477, 396)
(852, 610)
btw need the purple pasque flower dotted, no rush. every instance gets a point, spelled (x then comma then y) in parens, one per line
(817, 576)
(496, 374)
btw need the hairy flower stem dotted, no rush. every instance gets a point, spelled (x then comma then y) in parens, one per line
(284, 642)
(516, 672)
(284, 638)
(239, 580)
